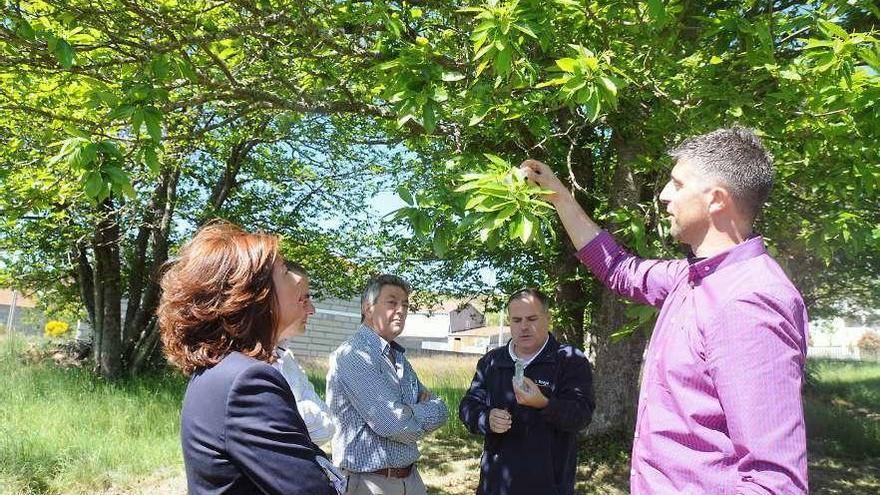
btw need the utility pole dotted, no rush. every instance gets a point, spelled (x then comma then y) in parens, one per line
(10, 318)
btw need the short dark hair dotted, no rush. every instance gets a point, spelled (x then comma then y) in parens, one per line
(736, 157)
(530, 291)
(374, 287)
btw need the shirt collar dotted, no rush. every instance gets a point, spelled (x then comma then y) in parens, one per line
(377, 342)
(743, 251)
(526, 362)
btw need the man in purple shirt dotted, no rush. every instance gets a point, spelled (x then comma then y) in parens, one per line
(720, 407)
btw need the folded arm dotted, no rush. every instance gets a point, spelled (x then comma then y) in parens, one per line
(380, 406)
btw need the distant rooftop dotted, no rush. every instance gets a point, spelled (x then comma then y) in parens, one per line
(21, 301)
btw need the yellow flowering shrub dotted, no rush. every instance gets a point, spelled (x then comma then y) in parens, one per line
(55, 328)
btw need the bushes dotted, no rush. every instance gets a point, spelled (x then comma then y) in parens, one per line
(869, 344)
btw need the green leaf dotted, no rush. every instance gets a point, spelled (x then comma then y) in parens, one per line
(126, 189)
(405, 195)
(478, 117)
(186, 70)
(116, 175)
(833, 30)
(160, 66)
(609, 84)
(72, 130)
(657, 12)
(525, 30)
(504, 215)
(153, 119)
(593, 107)
(121, 112)
(516, 227)
(440, 243)
(151, 159)
(503, 61)
(429, 118)
(227, 52)
(89, 154)
(94, 182)
(440, 95)
(24, 29)
(137, 120)
(388, 65)
(553, 82)
(64, 53)
(474, 201)
(468, 186)
(483, 51)
(527, 227)
(497, 160)
(790, 75)
(566, 64)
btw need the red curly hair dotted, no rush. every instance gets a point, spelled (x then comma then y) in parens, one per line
(218, 297)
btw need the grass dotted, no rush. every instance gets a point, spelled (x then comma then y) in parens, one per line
(842, 408)
(64, 431)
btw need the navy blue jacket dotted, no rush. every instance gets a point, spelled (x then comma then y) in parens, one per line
(242, 434)
(538, 454)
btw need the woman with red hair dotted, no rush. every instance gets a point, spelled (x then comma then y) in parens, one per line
(226, 299)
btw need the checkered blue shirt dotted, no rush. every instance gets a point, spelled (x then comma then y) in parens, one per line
(375, 405)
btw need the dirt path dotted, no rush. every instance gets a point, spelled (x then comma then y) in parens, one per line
(454, 470)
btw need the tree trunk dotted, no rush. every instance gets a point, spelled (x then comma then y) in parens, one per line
(570, 301)
(108, 293)
(141, 332)
(617, 364)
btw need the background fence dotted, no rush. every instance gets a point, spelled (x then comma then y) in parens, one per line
(843, 353)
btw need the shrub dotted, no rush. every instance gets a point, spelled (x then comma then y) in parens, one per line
(870, 343)
(55, 328)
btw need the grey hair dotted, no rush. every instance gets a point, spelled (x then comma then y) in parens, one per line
(530, 291)
(374, 287)
(736, 157)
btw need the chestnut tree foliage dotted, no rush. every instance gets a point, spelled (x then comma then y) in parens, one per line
(127, 123)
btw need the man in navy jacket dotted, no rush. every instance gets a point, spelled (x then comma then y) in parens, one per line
(530, 422)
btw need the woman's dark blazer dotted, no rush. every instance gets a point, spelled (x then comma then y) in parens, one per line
(242, 434)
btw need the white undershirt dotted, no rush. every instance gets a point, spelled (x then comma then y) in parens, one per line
(528, 361)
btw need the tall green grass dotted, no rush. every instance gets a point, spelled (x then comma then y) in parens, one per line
(842, 408)
(66, 431)
(62, 430)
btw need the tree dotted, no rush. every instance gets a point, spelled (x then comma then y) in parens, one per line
(116, 149)
(598, 89)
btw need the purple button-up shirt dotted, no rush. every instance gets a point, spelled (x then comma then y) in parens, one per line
(720, 407)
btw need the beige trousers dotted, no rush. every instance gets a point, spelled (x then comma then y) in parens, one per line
(376, 484)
